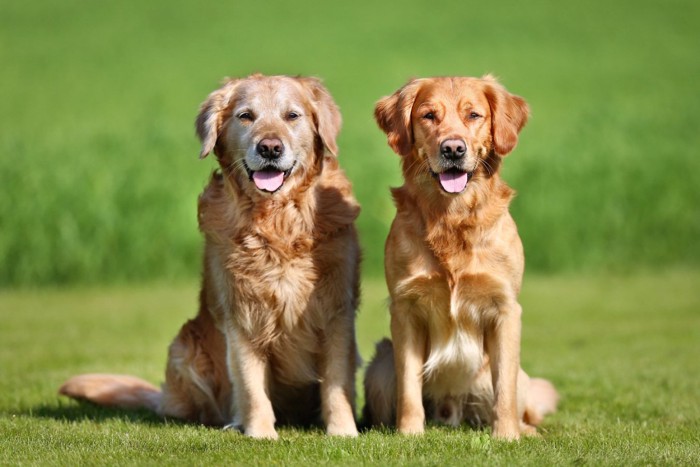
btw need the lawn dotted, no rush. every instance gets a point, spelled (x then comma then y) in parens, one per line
(621, 350)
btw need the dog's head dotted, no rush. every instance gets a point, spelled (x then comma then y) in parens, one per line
(269, 131)
(451, 129)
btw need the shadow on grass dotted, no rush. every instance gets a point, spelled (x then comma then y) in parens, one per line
(86, 411)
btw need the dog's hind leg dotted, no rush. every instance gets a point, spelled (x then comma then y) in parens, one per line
(197, 386)
(380, 387)
(542, 399)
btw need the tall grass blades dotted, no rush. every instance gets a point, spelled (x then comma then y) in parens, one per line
(98, 163)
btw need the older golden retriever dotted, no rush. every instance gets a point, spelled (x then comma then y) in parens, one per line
(274, 338)
(454, 264)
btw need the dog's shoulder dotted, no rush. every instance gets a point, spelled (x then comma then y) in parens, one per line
(217, 212)
(336, 206)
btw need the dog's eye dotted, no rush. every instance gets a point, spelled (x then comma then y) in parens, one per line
(429, 116)
(245, 116)
(474, 116)
(292, 116)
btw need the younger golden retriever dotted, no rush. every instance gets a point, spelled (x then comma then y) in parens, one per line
(454, 264)
(274, 338)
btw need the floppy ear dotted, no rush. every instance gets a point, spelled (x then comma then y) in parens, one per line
(326, 116)
(393, 115)
(210, 118)
(509, 114)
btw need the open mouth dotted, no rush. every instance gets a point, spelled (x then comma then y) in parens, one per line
(453, 180)
(269, 179)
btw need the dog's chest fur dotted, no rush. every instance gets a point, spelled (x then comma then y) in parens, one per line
(272, 292)
(272, 283)
(457, 304)
(270, 279)
(458, 274)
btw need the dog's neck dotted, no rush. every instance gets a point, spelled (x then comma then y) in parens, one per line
(319, 206)
(453, 223)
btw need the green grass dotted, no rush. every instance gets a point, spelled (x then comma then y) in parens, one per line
(98, 159)
(621, 350)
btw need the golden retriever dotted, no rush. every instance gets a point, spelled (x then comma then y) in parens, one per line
(454, 265)
(274, 339)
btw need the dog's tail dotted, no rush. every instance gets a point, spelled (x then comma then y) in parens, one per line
(122, 391)
(542, 399)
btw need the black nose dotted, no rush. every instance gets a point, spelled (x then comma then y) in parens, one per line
(453, 149)
(270, 148)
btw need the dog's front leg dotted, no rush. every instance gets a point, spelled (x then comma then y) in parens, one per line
(338, 377)
(249, 372)
(503, 345)
(409, 358)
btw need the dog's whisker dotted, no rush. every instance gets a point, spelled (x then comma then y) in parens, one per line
(422, 163)
(487, 166)
(419, 164)
(236, 164)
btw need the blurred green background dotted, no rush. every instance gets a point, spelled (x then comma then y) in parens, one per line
(98, 158)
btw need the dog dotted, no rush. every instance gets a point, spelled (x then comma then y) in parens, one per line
(274, 338)
(454, 264)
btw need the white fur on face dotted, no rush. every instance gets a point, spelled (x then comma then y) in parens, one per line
(269, 110)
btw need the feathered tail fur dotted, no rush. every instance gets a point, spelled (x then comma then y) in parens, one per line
(123, 391)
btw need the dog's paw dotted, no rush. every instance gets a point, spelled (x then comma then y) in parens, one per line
(412, 430)
(506, 431)
(346, 429)
(233, 426)
(264, 433)
(261, 432)
(411, 426)
(528, 430)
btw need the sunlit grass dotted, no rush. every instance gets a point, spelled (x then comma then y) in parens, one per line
(622, 352)
(98, 159)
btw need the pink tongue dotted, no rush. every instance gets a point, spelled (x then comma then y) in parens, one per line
(268, 180)
(454, 182)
